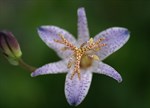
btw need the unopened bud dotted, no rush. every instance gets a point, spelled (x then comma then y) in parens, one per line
(10, 47)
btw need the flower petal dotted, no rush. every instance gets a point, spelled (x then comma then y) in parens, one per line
(50, 33)
(102, 68)
(115, 38)
(51, 68)
(83, 32)
(75, 89)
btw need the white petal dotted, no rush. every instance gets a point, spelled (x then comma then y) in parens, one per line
(51, 68)
(75, 89)
(102, 68)
(83, 32)
(49, 33)
(115, 38)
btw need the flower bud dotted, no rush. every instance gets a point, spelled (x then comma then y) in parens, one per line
(10, 47)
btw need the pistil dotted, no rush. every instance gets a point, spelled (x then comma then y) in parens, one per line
(78, 53)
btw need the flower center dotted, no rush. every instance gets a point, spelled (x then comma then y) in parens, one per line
(86, 62)
(83, 56)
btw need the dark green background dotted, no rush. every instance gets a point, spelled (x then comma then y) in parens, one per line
(22, 17)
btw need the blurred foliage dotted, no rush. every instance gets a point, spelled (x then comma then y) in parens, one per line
(22, 17)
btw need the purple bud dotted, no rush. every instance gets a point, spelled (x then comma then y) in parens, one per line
(10, 47)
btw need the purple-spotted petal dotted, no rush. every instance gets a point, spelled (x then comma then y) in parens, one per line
(50, 33)
(83, 32)
(115, 38)
(51, 68)
(75, 89)
(102, 68)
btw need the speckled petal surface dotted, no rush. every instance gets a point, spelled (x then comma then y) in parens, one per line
(75, 89)
(51, 68)
(115, 38)
(49, 33)
(83, 32)
(102, 68)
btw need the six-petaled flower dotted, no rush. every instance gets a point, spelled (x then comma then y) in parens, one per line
(82, 57)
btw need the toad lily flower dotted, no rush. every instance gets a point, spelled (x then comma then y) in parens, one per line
(81, 58)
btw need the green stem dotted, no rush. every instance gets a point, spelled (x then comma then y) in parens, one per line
(26, 66)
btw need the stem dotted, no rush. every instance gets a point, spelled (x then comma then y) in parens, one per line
(26, 66)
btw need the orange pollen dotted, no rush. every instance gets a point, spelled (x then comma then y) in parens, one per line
(79, 52)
